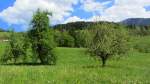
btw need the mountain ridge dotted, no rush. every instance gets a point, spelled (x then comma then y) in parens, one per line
(137, 21)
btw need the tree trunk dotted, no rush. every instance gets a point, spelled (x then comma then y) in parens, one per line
(41, 59)
(103, 62)
(39, 49)
(104, 59)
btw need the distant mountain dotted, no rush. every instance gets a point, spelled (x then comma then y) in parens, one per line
(137, 21)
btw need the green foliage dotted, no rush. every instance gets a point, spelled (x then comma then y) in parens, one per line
(76, 29)
(16, 48)
(136, 30)
(75, 26)
(81, 38)
(145, 48)
(42, 38)
(63, 39)
(67, 40)
(107, 41)
(141, 43)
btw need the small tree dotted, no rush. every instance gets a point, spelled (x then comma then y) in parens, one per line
(15, 48)
(42, 38)
(107, 42)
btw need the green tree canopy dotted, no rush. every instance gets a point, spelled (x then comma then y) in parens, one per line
(42, 38)
(106, 41)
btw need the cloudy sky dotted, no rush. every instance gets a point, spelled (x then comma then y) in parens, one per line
(18, 13)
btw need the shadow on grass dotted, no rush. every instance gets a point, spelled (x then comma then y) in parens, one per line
(28, 64)
(99, 66)
(91, 66)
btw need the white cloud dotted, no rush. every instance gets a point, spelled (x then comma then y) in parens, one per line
(132, 2)
(123, 9)
(74, 19)
(93, 6)
(22, 10)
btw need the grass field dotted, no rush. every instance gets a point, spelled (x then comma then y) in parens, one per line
(74, 66)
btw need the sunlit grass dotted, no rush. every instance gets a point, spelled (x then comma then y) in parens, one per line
(74, 66)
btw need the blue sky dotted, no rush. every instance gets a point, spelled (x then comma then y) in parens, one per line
(3, 5)
(18, 13)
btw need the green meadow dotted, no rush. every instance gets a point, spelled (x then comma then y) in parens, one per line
(75, 66)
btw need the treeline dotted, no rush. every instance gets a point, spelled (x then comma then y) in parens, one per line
(70, 35)
(78, 25)
(138, 30)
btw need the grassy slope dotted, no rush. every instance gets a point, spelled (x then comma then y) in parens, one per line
(75, 67)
